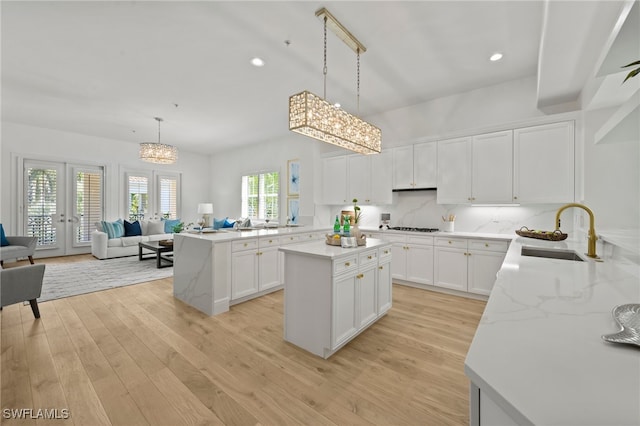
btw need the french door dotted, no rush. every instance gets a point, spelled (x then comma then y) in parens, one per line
(61, 203)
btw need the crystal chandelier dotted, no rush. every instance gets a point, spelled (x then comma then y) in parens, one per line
(156, 152)
(313, 116)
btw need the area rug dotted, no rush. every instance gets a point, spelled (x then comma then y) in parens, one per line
(70, 279)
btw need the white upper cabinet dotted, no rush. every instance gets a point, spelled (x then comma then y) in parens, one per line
(364, 177)
(334, 180)
(454, 171)
(425, 168)
(492, 168)
(403, 167)
(414, 166)
(544, 163)
(381, 178)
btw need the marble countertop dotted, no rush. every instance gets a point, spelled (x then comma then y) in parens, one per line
(538, 350)
(230, 235)
(483, 235)
(324, 250)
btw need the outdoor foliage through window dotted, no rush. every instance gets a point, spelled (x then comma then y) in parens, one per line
(260, 194)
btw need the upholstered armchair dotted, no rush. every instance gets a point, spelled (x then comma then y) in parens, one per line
(20, 284)
(18, 247)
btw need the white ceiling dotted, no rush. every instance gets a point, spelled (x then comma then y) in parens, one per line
(107, 68)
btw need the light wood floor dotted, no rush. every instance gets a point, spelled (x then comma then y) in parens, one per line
(135, 356)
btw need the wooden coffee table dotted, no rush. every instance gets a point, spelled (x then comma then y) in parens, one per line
(160, 253)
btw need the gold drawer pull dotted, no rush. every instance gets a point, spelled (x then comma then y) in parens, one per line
(369, 257)
(386, 252)
(449, 242)
(380, 267)
(347, 264)
(486, 245)
(245, 244)
(359, 276)
(270, 241)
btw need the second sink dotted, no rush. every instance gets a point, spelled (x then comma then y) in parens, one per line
(551, 254)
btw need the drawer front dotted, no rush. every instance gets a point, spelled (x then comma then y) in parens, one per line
(393, 238)
(288, 239)
(420, 240)
(489, 245)
(347, 264)
(269, 242)
(451, 242)
(248, 244)
(384, 253)
(368, 257)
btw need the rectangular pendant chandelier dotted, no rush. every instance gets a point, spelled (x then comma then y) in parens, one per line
(312, 116)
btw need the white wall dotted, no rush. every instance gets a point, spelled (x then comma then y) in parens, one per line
(228, 168)
(47, 144)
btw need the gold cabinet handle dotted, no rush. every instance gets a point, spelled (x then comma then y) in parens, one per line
(291, 238)
(515, 198)
(369, 257)
(449, 242)
(380, 267)
(347, 264)
(486, 244)
(386, 252)
(245, 244)
(468, 198)
(270, 241)
(360, 276)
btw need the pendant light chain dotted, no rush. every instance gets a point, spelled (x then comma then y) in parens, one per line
(358, 83)
(324, 69)
(158, 119)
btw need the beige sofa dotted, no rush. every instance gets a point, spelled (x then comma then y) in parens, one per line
(104, 248)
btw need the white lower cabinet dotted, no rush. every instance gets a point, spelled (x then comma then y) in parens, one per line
(412, 258)
(255, 266)
(384, 284)
(468, 265)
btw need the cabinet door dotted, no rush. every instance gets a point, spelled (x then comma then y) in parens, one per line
(454, 171)
(450, 268)
(483, 267)
(544, 163)
(269, 268)
(359, 178)
(399, 261)
(381, 178)
(344, 309)
(420, 263)
(334, 180)
(425, 165)
(403, 167)
(492, 168)
(244, 270)
(384, 287)
(366, 291)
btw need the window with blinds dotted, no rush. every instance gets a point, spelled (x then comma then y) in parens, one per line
(260, 195)
(88, 203)
(41, 197)
(168, 196)
(137, 197)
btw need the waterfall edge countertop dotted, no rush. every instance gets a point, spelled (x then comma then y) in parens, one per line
(538, 352)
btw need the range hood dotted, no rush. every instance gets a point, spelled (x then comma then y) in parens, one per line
(413, 189)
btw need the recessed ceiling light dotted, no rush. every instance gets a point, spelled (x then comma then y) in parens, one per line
(257, 62)
(496, 57)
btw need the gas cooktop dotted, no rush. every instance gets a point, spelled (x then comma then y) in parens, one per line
(412, 229)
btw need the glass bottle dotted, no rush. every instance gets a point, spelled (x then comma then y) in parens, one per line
(336, 226)
(347, 226)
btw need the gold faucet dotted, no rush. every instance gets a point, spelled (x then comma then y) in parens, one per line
(591, 248)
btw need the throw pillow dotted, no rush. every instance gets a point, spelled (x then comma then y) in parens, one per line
(228, 224)
(155, 227)
(169, 224)
(113, 229)
(3, 239)
(132, 229)
(218, 223)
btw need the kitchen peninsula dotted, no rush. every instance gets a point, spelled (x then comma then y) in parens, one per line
(332, 294)
(213, 271)
(538, 357)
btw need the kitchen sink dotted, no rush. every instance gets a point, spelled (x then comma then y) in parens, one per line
(551, 254)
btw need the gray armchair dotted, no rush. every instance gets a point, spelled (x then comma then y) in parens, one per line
(20, 284)
(18, 247)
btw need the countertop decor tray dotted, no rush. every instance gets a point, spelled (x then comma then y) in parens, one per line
(556, 235)
(628, 317)
(165, 242)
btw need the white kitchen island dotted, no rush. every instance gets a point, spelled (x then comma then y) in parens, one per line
(332, 294)
(538, 358)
